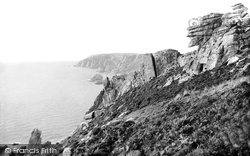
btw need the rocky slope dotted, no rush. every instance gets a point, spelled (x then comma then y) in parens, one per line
(197, 103)
(207, 115)
(162, 63)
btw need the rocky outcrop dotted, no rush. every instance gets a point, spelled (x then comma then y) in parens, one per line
(97, 79)
(166, 60)
(35, 140)
(112, 89)
(203, 29)
(116, 87)
(197, 105)
(219, 37)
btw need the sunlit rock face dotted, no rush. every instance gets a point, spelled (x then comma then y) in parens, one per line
(239, 16)
(186, 61)
(166, 60)
(218, 37)
(203, 28)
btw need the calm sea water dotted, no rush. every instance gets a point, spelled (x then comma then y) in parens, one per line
(52, 97)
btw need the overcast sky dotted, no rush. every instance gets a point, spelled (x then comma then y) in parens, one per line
(58, 30)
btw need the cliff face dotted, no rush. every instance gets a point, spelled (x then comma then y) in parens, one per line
(138, 71)
(198, 105)
(117, 63)
(219, 37)
(166, 60)
(116, 87)
(159, 63)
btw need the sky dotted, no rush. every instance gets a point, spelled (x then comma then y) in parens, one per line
(71, 30)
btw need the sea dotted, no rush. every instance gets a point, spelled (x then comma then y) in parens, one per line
(50, 96)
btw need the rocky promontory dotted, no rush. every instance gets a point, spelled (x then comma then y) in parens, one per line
(116, 63)
(194, 104)
(172, 104)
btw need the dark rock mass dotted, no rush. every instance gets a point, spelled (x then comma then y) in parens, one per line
(35, 140)
(2, 149)
(173, 104)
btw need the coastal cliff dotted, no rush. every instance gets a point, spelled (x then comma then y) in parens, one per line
(196, 104)
(116, 63)
(167, 103)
